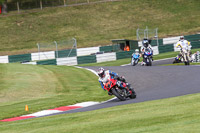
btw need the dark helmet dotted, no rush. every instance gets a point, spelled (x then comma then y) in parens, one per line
(101, 72)
(145, 43)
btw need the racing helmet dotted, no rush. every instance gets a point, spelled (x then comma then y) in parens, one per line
(101, 72)
(181, 38)
(145, 43)
(136, 51)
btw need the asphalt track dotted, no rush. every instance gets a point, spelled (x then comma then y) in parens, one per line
(152, 83)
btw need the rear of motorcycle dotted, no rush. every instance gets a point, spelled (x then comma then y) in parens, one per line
(186, 57)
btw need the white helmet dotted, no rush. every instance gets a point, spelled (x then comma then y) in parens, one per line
(181, 38)
(101, 72)
(136, 50)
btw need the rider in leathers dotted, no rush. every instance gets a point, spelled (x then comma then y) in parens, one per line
(145, 45)
(104, 76)
(185, 47)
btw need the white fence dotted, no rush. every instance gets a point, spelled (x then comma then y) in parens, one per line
(4, 59)
(69, 61)
(106, 57)
(43, 55)
(87, 51)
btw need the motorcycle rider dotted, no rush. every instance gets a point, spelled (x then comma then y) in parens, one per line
(185, 47)
(104, 76)
(145, 45)
(136, 53)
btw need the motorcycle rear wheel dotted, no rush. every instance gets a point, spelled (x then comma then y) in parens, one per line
(119, 96)
(133, 95)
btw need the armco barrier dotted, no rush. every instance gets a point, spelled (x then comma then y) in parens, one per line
(86, 59)
(154, 42)
(87, 51)
(195, 44)
(47, 62)
(4, 59)
(19, 58)
(43, 55)
(106, 49)
(171, 40)
(166, 48)
(195, 37)
(70, 61)
(65, 53)
(124, 54)
(106, 57)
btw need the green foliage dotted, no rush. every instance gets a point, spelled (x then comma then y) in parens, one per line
(2, 1)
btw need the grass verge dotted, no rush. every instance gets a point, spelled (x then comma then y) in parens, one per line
(45, 87)
(179, 114)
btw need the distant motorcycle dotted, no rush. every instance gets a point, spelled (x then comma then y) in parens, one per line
(148, 57)
(178, 59)
(135, 59)
(113, 87)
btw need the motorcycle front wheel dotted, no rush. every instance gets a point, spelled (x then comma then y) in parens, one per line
(133, 62)
(148, 62)
(119, 95)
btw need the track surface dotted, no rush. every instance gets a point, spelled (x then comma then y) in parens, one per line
(152, 83)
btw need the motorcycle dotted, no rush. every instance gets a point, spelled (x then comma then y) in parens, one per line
(148, 57)
(178, 59)
(135, 59)
(113, 88)
(185, 56)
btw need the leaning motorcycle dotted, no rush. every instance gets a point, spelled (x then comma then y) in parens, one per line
(148, 57)
(135, 59)
(113, 87)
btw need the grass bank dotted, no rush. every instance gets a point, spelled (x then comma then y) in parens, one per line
(45, 87)
(179, 114)
(97, 24)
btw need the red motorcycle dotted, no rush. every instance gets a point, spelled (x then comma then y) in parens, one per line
(122, 93)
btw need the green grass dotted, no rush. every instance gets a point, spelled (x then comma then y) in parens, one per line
(97, 24)
(177, 115)
(45, 87)
(128, 60)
